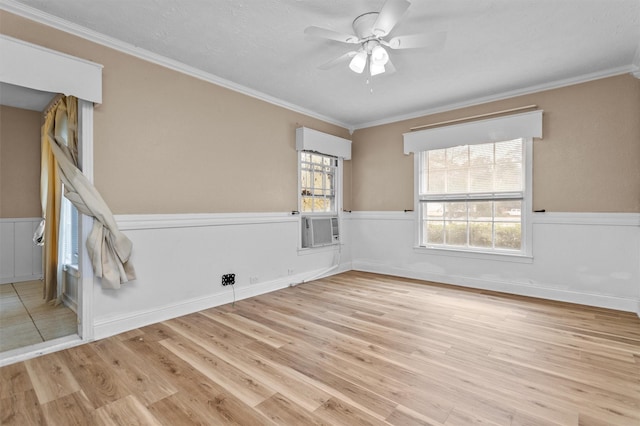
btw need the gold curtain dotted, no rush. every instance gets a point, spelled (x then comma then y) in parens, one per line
(50, 198)
(108, 248)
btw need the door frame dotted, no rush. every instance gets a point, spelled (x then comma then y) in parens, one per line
(83, 79)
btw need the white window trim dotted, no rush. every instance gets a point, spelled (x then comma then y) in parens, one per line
(526, 255)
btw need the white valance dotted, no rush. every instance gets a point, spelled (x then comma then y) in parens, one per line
(524, 125)
(313, 140)
(29, 65)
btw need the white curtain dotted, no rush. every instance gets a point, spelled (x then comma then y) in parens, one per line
(109, 249)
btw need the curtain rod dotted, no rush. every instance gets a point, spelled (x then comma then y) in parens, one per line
(473, 117)
(54, 102)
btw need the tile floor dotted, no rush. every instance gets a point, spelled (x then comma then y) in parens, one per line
(25, 319)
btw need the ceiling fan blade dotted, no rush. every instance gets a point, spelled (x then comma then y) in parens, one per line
(330, 34)
(432, 41)
(337, 61)
(389, 16)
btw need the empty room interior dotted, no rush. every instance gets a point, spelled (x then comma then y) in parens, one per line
(292, 212)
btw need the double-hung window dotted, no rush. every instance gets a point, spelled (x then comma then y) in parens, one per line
(69, 233)
(318, 183)
(473, 185)
(472, 197)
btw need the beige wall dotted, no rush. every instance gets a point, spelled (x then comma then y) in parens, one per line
(169, 143)
(587, 161)
(19, 163)
(165, 142)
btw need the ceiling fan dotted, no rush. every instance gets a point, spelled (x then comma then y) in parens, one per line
(371, 30)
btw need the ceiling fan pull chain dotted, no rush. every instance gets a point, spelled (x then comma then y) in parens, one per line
(369, 82)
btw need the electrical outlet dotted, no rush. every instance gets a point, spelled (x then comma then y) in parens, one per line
(290, 271)
(253, 279)
(228, 279)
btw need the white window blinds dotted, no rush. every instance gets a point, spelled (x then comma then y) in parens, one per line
(473, 169)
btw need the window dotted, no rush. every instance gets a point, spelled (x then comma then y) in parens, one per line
(69, 233)
(472, 197)
(318, 183)
(68, 230)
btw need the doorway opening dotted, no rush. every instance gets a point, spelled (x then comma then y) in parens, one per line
(29, 326)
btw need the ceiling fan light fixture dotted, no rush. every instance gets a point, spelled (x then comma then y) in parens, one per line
(358, 62)
(375, 69)
(379, 55)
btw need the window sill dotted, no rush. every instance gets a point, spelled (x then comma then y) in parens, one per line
(320, 249)
(469, 254)
(319, 214)
(72, 270)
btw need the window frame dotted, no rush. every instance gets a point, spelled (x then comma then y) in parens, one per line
(337, 185)
(524, 255)
(70, 238)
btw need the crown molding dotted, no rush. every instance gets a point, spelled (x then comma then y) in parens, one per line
(104, 40)
(43, 18)
(506, 95)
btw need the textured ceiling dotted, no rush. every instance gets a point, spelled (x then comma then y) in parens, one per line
(493, 48)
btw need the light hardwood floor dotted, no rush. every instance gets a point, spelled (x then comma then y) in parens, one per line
(25, 319)
(353, 349)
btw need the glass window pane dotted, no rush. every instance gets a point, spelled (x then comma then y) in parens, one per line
(509, 151)
(480, 210)
(307, 204)
(305, 179)
(458, 156)
(457, 181)
(437, 182)
(433, 211)
(436, 159)
(433, 232)
(319, 205)
(508, 236)
(455, 233)
(481, 179)
(509, 177)
(456, 210)
(481, 155)
(510, 210)
(481, 234)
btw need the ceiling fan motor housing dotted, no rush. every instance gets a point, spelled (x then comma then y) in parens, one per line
(363, 25)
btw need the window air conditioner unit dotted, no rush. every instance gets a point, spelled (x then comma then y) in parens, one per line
(319, 231)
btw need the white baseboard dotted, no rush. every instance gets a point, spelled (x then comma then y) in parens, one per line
(70, 303)
(105, 327)
(42, 348)
(544, 292)
(23, 278)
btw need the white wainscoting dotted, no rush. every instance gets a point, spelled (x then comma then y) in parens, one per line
(588, 258)
(591, 259)
(180, 259)
(20, 259)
